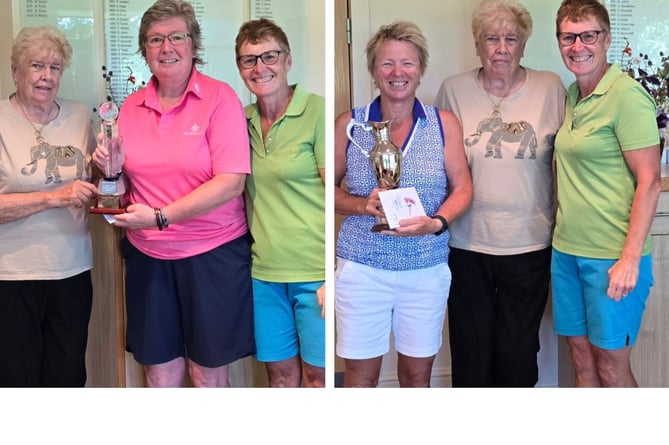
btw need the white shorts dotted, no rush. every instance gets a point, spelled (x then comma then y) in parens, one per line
(369, 302)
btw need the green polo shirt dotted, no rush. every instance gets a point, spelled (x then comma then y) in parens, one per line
(285, 195)
(595, 186)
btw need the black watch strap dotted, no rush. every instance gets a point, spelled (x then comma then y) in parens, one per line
(444, 224)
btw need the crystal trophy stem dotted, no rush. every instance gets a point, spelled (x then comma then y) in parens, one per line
(111, 187)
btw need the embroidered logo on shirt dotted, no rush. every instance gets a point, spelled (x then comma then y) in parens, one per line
(193, 131)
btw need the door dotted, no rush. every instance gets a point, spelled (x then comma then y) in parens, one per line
(342, 91)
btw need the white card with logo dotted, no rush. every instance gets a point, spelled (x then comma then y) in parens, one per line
(399, 204)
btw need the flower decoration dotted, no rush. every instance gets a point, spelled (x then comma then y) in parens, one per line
(408, 201)
(107, 76)
(653, 77)
(131, 85)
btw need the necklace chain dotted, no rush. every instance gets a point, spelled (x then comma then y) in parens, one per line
(496, 113)
(495, 105)
(38, 133)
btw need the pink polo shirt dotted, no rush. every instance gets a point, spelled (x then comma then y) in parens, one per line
(169, 154)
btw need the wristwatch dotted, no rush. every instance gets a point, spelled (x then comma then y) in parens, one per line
(444, 224)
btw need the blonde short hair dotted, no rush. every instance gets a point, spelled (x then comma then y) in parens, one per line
(403, 31)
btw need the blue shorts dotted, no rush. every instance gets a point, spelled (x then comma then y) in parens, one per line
(582, 308)
(199, 307)
(288, 322)
(370, 302)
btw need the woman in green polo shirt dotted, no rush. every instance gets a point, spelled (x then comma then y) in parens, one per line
(608, 184)
(285, 207)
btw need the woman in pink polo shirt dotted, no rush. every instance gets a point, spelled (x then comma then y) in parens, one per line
(186, 157)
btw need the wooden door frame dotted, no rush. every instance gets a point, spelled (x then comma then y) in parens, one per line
(342, 90)
(342, 74)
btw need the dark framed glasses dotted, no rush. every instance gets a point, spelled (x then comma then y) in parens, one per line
(587, 37)
(250, 60)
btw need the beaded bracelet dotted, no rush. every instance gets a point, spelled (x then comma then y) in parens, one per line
(163, 219)
(159, 223)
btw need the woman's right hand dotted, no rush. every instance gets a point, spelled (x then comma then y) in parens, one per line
(101, 155)
(373, 204)
(75, 194)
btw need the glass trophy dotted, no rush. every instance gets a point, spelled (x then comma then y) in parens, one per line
(112, 186)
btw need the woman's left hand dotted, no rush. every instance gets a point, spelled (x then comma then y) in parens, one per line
(415, 226)
(623, 276)
(137, 216)
(320, 295)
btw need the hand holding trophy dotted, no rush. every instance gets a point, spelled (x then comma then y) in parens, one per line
(112, 186)
(385, 157)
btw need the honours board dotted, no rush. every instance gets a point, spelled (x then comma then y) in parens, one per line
(104, 33)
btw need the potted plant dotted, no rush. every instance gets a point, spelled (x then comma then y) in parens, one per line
(654, 77)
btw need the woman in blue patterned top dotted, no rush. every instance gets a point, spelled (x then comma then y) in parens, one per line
(396, 279)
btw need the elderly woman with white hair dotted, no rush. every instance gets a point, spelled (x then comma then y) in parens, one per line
(45, 246)
(501, 247)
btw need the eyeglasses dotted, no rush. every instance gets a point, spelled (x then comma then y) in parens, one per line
(38, 67)
(587, 37)
(250, 60)
(176, 39)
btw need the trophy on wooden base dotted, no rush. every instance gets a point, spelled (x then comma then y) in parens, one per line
(112, 186)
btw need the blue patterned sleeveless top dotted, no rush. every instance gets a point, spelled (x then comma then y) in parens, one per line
(422, 168)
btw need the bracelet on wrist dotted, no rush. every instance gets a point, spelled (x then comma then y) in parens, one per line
(159, 223)
(161, 220)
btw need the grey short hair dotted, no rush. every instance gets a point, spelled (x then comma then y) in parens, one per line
(500, 14)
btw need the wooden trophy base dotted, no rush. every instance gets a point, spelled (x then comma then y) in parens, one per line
(108, 205)
(106, 211)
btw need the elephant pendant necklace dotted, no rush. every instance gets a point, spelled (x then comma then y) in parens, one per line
(38, 133)
(496, 113)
